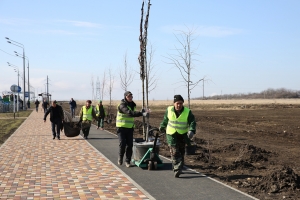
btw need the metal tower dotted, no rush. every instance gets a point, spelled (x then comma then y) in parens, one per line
(98, 89)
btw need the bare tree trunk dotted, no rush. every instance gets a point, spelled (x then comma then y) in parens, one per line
(143, 63)
(103, 84)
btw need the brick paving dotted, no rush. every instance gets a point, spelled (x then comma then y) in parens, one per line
(33, 166)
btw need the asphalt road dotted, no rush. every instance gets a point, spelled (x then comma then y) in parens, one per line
(160, 183)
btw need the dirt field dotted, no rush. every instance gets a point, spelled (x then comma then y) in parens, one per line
(251, 145)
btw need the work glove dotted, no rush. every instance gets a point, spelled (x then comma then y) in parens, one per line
(145, 114)
(162, 129)
(190, 134)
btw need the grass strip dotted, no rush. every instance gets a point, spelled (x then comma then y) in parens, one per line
(8, 127)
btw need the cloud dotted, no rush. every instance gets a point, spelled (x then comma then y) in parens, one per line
(205, 31)
(59, 32)
(16, 21)
(82, 24)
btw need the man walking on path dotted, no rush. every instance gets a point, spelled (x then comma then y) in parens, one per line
(45, 105)
(56, 118)
(180, 126)
(72, 107)
(37, 103)
(100, 112)
(125, 126)
(86, 115)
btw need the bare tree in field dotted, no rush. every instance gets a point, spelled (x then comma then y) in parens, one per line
(126, 76)
(143, 61)
(103, 85)
(93, 87)
(183, 59)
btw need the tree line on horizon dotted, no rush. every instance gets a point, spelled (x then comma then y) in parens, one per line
(281, 93)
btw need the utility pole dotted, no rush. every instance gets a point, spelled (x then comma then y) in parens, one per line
(203, 89)
(47, 89)
(92, 84)
(98, 89)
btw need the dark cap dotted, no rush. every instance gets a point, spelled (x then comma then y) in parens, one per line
(127, 93)
(55, 101)
(178, 97)
(89, 101)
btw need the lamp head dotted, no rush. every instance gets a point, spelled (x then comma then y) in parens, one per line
(7, 38)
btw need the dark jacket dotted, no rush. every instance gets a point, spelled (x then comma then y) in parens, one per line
(55, 113)
(73, 104)
(37, 103)
(45, 104)
(124, 109)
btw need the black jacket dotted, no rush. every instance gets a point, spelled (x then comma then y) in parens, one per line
(45, 104)
(60, 114)
(124, 109)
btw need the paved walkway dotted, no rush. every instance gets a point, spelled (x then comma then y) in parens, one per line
(33, 166)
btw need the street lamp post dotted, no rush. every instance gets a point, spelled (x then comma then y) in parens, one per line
(16, 70)
(22, 46)
(26, 57)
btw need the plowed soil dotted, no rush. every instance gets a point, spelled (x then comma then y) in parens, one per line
(253, 148)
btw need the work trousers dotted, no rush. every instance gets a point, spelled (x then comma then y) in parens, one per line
(101, 122)
(72, 112)
(37, 108)
(55, 125)
(86, 131)
(125, 142)
(177, 144)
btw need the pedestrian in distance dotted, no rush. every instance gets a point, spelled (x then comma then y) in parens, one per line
(126, 112)
(72, 107)
(180, 126)
(28, 104)
(101, 114)
(86, 115)
(45, 105)
(37, 103)
(56, 118)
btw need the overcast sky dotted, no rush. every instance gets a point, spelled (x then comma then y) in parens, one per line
(241, 46)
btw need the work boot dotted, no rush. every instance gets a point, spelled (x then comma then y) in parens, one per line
(177, 173)
(53, 137)
(127, 164)
(120, 160)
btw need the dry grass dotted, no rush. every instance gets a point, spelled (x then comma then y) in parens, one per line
(25, 113)
(8, 127)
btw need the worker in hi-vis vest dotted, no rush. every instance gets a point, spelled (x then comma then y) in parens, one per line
(126, 112)
(87, 114)
(180, 126)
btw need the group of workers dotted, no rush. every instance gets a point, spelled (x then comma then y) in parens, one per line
(178, 123)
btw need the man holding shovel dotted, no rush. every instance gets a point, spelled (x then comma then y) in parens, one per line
(180, 126)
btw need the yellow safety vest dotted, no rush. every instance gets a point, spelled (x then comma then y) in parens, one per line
(123, 120)
(87, 114)
(180, 124)
(98, 111)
